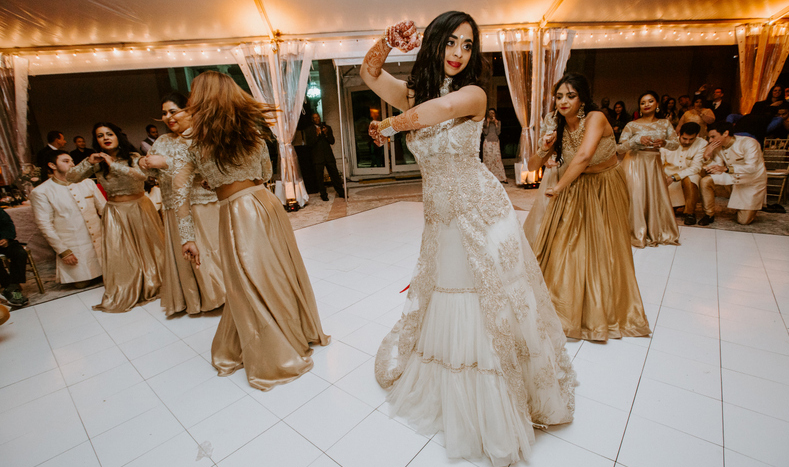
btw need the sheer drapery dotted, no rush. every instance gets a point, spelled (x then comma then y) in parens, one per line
(519, 48)
(13, 116)
(556, 45)
(763, 49)
(278, 74)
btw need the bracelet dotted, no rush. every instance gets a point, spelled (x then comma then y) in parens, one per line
(386, 37)
(386, 129)
(65, 254)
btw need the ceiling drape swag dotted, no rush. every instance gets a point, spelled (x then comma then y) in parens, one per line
(278, 74)
(763, 49)
(534, 60)
(13, 116)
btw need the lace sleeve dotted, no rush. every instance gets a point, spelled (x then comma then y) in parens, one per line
(265, 164)
(183, 177)
(672, 140)
(625, 143)
(134, 171)
(81, 171)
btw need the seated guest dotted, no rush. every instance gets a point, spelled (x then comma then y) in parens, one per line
(698, 114)
(12, 279)
(146, 144)
(80, 153)
(68, 216)
(779, 126)
(719, 108)
(682, 167)
(771, 104)
(737, 162)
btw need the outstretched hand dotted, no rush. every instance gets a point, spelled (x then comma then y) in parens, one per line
(403, 36)
(375, 133)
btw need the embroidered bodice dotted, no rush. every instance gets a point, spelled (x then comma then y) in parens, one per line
(571, 141)
(634, 131)
(175, 192)
(121, 179)
(258, 167)
(454, 181)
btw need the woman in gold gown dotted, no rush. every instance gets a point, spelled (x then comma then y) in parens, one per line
(185, 287)
(583, 245)
(270, 316)
(652, 220)
(132, 236)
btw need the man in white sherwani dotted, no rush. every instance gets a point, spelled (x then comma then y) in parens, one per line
(682, 167)
(68, 216)
(736, 162)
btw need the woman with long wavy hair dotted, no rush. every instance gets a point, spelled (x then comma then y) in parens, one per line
(132, 235)
(583, 244)
(270, 316)
(185, 287)
(479, 352)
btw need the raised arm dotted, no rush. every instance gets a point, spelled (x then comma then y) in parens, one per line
(468, 101)
(545, 145)
(404, 36)
(83, 170)
(596, 124)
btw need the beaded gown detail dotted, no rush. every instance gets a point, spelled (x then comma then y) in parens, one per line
(479, 351)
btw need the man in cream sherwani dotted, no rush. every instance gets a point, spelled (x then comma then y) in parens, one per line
(736, 161)
(682, 167)
(68, 216)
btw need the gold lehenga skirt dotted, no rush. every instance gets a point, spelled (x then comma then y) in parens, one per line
(652, 220)
(583, 247)
(185, 287)
(270, 316)
(132, 250)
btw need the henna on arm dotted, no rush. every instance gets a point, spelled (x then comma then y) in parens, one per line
(376, 57)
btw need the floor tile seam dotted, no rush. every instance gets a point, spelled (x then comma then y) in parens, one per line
(722, 445)
(347, 432)
(346, 374)
(153, 448)
(216, 462)
(315, 445)
(152, 351)
(745, 455)
(549, 433)
(606, 364)
(356, 348)
(348, 393)
(301, 405)
(755, 348)
(720, 338)
(86, 355)
(786, 420)
(82, 422)
(684, 389)
(769, 281)
(170, 368)
(691, 332)
(57, 367)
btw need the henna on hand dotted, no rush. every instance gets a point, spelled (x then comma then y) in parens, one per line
(403, 36)
(376, 57)
(408, 120)
(375, 133)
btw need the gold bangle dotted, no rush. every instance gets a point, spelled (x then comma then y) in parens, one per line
(65, 254)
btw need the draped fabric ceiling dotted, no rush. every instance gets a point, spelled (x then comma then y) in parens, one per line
(92, 23)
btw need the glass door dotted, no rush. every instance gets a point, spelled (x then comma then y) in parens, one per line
(366, 157)
(402, 158)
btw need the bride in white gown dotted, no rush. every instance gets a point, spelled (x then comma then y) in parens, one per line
(479, 351)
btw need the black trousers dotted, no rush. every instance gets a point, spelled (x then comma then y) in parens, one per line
(336, 179)
(17, 259)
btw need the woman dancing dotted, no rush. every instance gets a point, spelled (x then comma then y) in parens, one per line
(185, 287)
(583, 244)
(270, 316)
(132, 237)
(479, 352)
(491, 149)
(652, 220)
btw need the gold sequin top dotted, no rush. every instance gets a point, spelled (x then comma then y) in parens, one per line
(630, 139)
(258, 167)
(120, 181)
(571, 141)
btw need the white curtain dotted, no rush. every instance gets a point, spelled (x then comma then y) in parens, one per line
(13, 116)
(519, 50)
(763, 49)
(556, 45)
(278, 74)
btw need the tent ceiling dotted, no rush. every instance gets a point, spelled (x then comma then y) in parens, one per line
(63, 23)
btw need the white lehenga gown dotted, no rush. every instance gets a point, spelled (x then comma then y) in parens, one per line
(479, 352)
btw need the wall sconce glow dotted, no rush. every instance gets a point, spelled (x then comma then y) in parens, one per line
(313, 91)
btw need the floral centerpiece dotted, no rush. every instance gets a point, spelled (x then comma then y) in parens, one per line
(29, 177)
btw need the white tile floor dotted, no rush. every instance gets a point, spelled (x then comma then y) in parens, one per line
(83, 388)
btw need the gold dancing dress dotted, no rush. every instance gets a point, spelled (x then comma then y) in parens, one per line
(132, 236)
(652, 220)
(270, 316)
(479, 352)
(184, 286)
(583, 247)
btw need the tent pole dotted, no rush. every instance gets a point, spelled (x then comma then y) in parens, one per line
(342, 133)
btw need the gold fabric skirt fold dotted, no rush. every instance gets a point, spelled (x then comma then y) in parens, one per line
(652, 219)
(185, 287)
(132, 250)
(583, 247)
(270, 316)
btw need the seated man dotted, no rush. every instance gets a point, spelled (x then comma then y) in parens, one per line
(12, 279)
(737, 162)
(68, 216)
(683, 170)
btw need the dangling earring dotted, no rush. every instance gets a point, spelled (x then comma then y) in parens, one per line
(581, 113)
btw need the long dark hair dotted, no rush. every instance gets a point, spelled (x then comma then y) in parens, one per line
(427, 74)
(624, 109)
(580, 84)
(125, 148)
(659, 111)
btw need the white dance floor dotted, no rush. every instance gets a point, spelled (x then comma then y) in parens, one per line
(83, 388)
